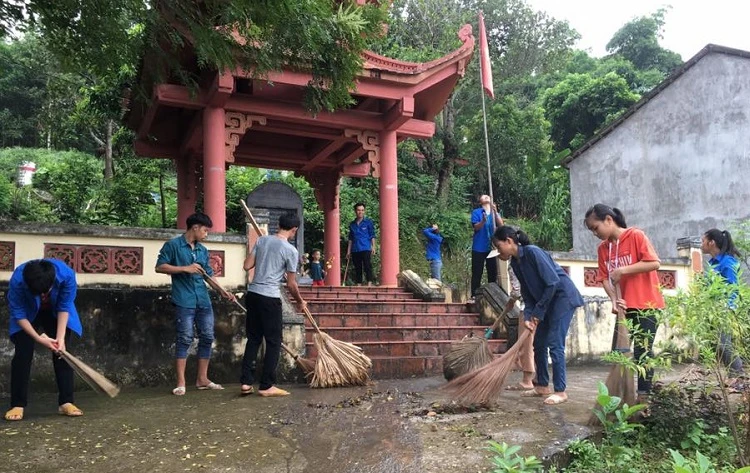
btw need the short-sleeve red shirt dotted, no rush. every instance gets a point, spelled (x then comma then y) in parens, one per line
(640, 291)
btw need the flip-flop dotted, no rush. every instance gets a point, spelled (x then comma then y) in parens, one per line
(69, 409)
(518, 387)
(277, 392)
(14, 414)
(554, 400)
(245, 392)
(533, 393)
(210, 387)
(179, 391)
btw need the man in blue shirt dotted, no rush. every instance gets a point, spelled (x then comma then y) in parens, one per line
(186, 260)
(361, 245)
(484, 219)
(41, 295)
(434, 240)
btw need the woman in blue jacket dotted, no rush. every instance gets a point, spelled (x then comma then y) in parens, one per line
(719, 245)
(550, 300)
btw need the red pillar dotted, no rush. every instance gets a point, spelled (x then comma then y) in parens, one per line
(389, 266)
(214, 171)
(331, 238)
(186, 189)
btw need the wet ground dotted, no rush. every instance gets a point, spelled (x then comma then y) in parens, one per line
(390, 427)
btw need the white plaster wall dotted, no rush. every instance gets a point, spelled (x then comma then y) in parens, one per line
(679, 165)
(32, 247)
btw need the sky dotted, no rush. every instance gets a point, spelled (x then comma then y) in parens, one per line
(689, 25)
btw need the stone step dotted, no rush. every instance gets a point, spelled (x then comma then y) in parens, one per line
(374, 319)
(412, 348)
(310, 296)
(343, 305)
(398, 334)
(345, 289)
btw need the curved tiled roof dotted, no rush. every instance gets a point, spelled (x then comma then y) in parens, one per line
(374, 61)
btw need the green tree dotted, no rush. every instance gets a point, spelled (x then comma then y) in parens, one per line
(323, 37)
(638, 42)
(581, 104)
(522, 41)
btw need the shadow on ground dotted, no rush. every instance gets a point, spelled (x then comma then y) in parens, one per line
(389, 427)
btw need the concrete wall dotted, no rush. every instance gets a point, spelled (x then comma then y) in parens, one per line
(129, 335)
(679, 165)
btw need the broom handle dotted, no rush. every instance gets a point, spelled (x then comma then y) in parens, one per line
(346, 269)
(250, 217)
(622, 340)
(508, 307)
(312, 320)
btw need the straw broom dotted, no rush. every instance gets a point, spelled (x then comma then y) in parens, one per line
(484, 385)
(339, 363)
(93, 378)
(471, 353)
(620, 379)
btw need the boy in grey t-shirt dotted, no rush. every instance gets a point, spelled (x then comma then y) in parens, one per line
(272, 257)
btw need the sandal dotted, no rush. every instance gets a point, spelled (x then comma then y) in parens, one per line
(555, 399)
(70, 410)
(534, 393)
(179, 391)
(273, 391)
(245, 392)
(211, 386)
(14, 414)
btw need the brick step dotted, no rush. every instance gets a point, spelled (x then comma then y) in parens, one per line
(398, 334)
(374, 319)
(342, 305)
(386, 367)
(358, 296)
(344, 289)
(412, 348)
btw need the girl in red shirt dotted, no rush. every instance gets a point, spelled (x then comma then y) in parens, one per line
(627, 259)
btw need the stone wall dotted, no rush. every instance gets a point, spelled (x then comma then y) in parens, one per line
(128, 334)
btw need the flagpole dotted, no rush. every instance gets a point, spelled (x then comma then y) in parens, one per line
(484, 120)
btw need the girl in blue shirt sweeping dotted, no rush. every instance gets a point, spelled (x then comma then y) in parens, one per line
(550, 299)
(719, 245)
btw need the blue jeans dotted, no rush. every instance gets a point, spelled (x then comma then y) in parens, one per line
(203, 320)
(435, 266)
(550, 337)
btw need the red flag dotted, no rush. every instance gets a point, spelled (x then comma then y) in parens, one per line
(484, 58)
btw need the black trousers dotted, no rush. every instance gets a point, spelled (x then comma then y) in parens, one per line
(643, 343)
(478, 262)
(362, 261)
(20, 366)
(263, 322)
